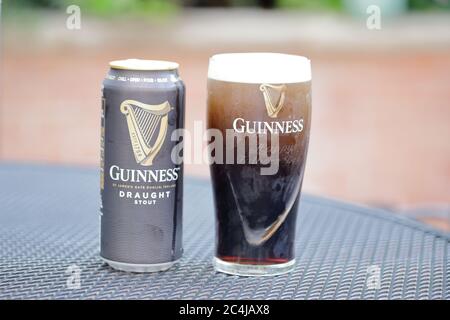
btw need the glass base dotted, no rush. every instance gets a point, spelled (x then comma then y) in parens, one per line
(139, 268)
(248, 270)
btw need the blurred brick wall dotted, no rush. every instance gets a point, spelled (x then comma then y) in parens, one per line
(381, 112)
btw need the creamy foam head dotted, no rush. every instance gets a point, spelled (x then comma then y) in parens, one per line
(259, 68)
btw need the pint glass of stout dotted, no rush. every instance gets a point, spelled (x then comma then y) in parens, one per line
(262, 100)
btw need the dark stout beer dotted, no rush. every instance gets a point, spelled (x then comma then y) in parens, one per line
(259, 94)
(141, 187)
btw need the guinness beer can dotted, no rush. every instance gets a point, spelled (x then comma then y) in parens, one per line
(141, 185)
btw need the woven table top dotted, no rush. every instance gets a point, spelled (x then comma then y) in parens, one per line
(49, 232)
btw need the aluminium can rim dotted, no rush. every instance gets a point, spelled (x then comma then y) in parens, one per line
(143, 65)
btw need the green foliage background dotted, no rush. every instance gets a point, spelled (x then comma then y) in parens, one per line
(102, 7)
(116, 7)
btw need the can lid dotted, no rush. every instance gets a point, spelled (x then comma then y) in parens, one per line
(143, 65)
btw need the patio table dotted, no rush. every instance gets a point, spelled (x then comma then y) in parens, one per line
(49, 234)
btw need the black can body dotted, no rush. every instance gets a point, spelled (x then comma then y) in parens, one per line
(141, 186)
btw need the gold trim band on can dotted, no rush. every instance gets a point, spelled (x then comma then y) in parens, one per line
(143, 65)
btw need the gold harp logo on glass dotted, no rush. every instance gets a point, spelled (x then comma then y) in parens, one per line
(274, 96)
(147, 126)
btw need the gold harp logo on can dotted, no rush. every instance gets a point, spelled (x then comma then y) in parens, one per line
(147, 126)
(274, 97)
